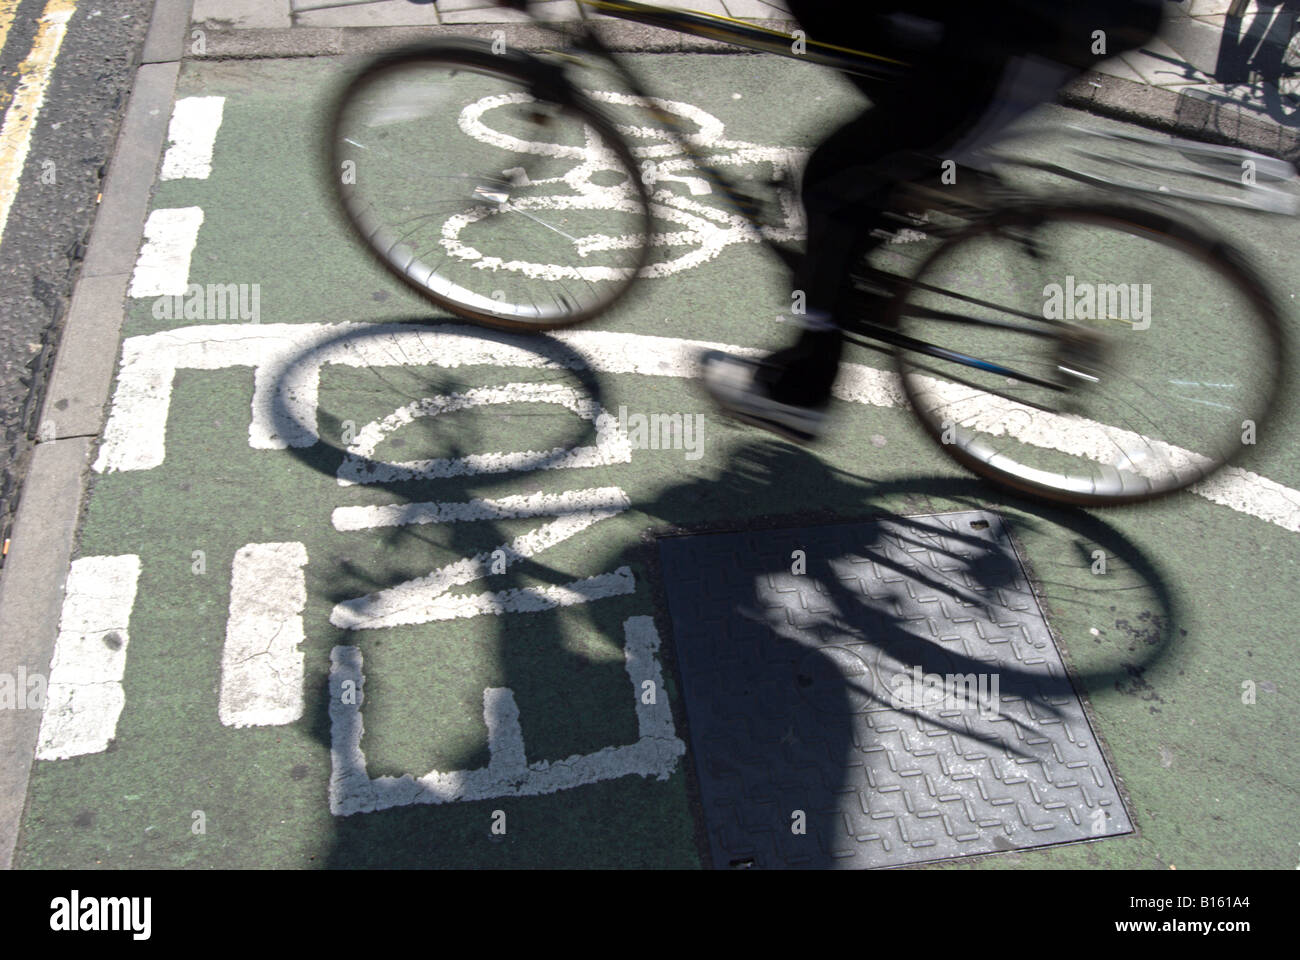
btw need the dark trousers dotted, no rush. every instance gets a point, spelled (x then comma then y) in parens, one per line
(846, 186)
(850, 176)
(953, 82)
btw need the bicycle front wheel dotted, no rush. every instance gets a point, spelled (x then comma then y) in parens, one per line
(1089, 354)
(489, 185)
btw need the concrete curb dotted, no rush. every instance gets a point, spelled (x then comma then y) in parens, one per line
(1185, 115)
(31, 589)
(227, 44)
(115, 237)
(83, 369)
(168, 30)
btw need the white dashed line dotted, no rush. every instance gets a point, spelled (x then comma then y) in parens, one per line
(163, 267)
(262, 660)
(192, 135)
(85, 698)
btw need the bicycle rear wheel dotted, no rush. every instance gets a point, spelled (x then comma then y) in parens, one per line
(1094, 354)
(487, 183)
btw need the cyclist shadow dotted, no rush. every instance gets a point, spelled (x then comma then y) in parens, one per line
(802, 683)
(384, 609)
(823, 764)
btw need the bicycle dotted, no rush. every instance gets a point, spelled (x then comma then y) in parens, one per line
(1030, 398)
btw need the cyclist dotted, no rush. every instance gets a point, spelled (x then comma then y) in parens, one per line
(974, 68)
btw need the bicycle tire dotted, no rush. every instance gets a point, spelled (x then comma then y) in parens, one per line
(543, 84)
(972, 450)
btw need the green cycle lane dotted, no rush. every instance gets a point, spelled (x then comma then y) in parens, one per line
(256, 726)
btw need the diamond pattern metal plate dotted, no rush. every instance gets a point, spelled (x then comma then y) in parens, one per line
(878, 694)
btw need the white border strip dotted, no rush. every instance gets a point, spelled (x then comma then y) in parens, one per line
(287, 360)
(163, 267)
(85, 698)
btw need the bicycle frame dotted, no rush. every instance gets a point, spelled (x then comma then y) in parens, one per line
(878, 68)
(871, 66)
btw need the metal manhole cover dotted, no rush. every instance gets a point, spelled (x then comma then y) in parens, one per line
(877, 694)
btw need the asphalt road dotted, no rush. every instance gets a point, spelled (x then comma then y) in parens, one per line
(55, 205)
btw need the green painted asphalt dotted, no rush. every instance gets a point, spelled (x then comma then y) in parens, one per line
(1197, 598)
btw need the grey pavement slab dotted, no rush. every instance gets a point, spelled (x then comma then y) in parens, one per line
(1159, 64)
(479, 11)
(168, 31)
(389, 13)
(243, 14)
(1116, 67)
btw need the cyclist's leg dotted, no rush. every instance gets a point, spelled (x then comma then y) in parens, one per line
(846, 187)
(802, 373)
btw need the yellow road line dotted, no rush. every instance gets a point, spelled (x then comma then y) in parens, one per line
(7, 10)
(20, 118)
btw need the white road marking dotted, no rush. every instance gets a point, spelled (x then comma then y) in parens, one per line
(163, 267)
(34, 73)
(708, 228)
(262, 659)
(287, 359)
(507, 774)
(538, 504)
(84, 697)
(612, 444)
(426, 599)
(507, 759)
(994, 416)
(192, 135)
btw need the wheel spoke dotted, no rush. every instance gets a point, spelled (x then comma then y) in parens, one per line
(1156, 398)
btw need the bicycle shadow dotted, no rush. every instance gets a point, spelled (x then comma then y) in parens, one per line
(766, 477)
(371, 615)
(823, 663)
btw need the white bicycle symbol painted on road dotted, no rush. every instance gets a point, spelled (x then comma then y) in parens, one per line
(706, 228)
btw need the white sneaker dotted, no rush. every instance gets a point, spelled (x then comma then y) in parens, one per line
(731, 382)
